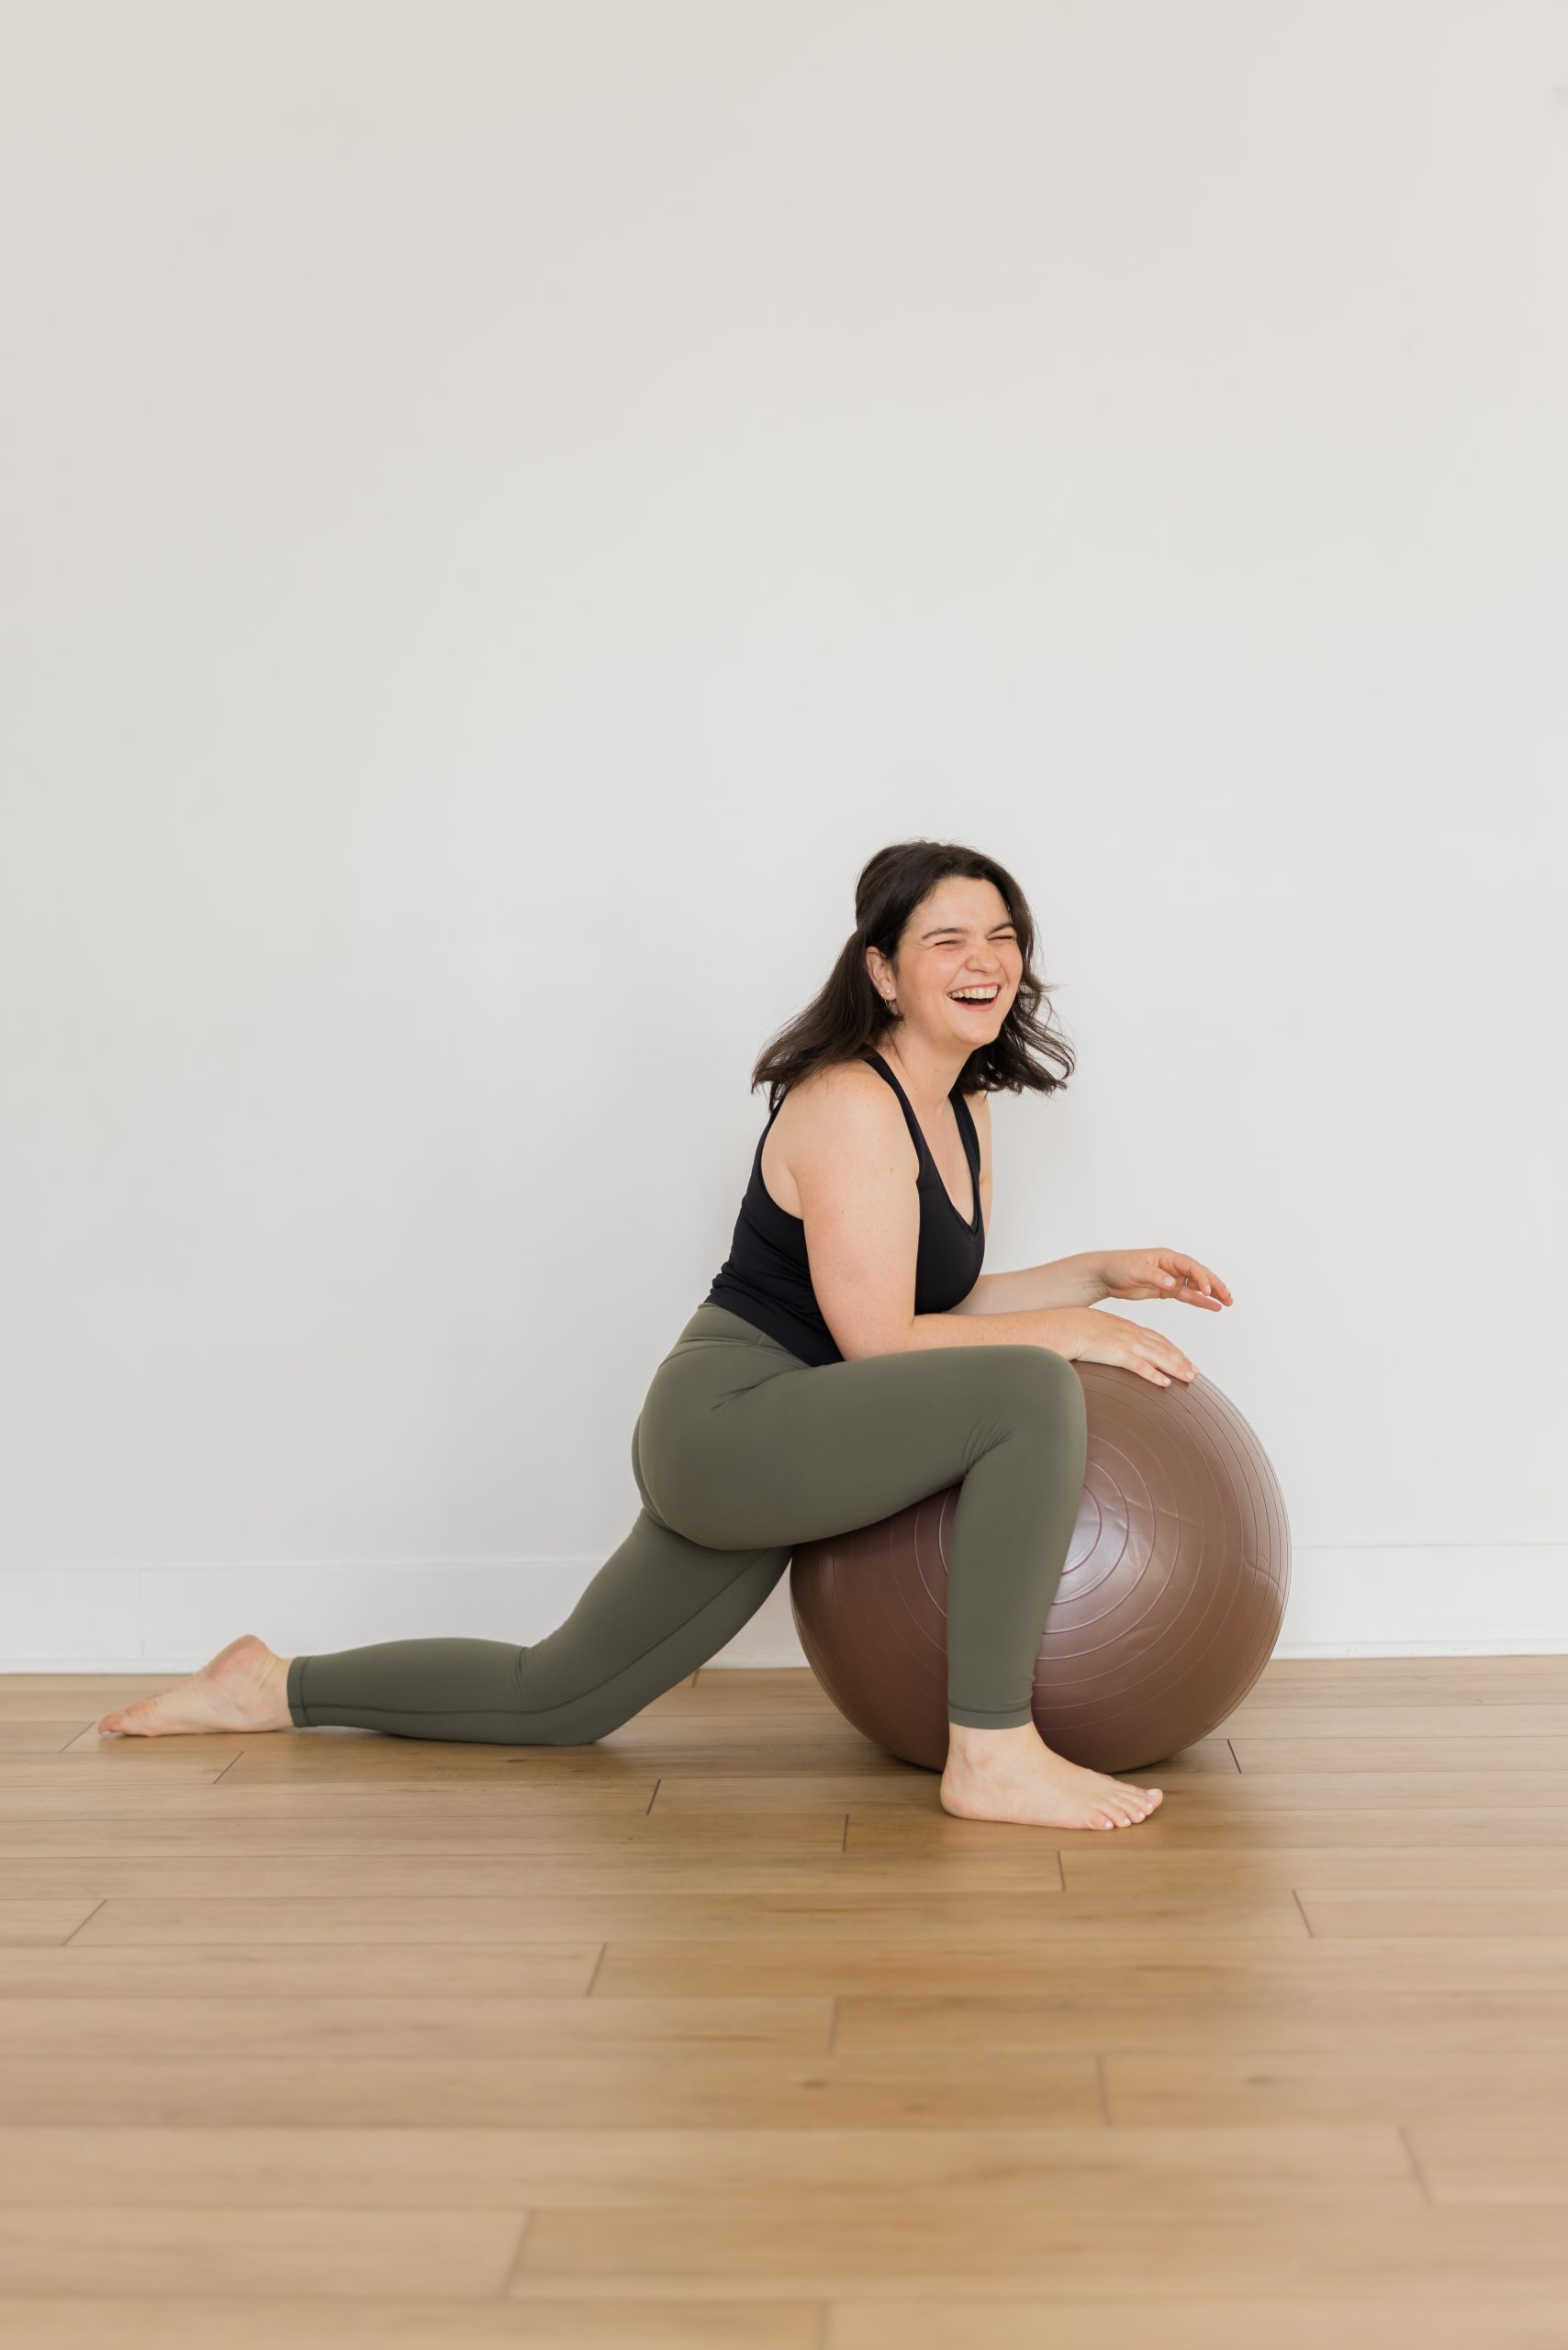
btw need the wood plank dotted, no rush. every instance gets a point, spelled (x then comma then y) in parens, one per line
(1368, 2322)
(1374, 2240)
(1473, 1679)
(323, 1758)
(35, 1736)
(819, 1967)
(1398, 1720)
(314, 1970)
(721, 1839)
(1340, 2020)
(104, 2248)
(1519, 2158)
(1166, 1977)
(628, 2169)
(687, 2090)
(130, 1800)
(1456, 1909)
(555, 2322)
(764, 1914)
(1245, 1796)
(440, 2028)
(75, 1773)
(1212, 2088)
(1307, 1868)
(1366, 1824)
(1541, 1753)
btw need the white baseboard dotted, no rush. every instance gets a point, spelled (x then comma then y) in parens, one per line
(1440, 1599)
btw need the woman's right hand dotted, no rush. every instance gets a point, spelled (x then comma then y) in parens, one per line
(1084, 1334)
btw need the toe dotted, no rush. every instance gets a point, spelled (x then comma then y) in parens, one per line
(129, 1718)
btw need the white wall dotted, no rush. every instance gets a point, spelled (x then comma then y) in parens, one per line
(507, 505)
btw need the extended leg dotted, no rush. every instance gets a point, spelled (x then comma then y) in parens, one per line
(658, 1608)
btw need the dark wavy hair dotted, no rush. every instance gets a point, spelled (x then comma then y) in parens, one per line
(849, 1014)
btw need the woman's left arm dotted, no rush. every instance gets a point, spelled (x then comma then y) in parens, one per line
(1067, 1280)
(1085, 1280)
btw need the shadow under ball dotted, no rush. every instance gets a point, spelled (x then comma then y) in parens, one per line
(1168, 1608)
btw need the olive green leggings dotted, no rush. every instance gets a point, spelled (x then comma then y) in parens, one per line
(741, 1451)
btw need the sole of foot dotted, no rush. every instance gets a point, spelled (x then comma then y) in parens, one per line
(243, 1687)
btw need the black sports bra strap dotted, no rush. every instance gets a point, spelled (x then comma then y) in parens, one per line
(971, 1133)
(911, 1120)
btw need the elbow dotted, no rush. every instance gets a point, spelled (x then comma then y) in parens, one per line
(855, 1345)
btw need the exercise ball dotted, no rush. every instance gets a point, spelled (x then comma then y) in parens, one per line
(1168, 1608)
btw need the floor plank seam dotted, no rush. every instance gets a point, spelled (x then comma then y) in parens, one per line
(514, 2265)
(83, 1921)
(1410, 2157)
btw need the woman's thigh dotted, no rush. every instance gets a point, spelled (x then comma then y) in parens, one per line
(733, 1450)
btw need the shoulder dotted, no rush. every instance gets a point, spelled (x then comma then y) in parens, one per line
(845, 1095)
(842, 1115)
(841, 1108)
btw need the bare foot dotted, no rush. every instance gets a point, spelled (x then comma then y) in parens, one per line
(1013, 1775)
(244, 1687)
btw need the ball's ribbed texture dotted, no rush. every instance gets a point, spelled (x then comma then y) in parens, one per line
(1167, 1609)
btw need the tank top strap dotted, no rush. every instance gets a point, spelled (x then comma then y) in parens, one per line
(911, 1120)
(968, 1133)
(971, 1133)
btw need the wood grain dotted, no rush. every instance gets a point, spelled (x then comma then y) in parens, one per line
(720, 2031)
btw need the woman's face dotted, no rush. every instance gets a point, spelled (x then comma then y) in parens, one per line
(960, 937)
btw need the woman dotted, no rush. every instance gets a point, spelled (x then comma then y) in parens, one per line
(849, 1359)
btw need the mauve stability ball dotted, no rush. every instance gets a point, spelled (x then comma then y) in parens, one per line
(1167, 1611)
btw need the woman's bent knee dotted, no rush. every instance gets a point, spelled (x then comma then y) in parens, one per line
(1038, 1378)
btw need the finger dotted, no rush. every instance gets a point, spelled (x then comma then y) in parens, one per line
(1212, 1282)
(1202, 1287)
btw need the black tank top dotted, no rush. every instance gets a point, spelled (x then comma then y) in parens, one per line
(766, 1278)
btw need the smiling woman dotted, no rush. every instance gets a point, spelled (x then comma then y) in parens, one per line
(843, 1366)
(935, 993)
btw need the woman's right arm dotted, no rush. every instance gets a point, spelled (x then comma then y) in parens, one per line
(854, 1164)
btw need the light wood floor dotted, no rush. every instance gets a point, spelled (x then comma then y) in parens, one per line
(722, 2033)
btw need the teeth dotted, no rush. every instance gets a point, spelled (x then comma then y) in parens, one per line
(974, 995)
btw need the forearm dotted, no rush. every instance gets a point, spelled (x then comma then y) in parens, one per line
(1049, 1327)
(1066, 1281)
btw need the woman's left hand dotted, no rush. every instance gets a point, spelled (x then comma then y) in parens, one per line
(1162, 1272)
